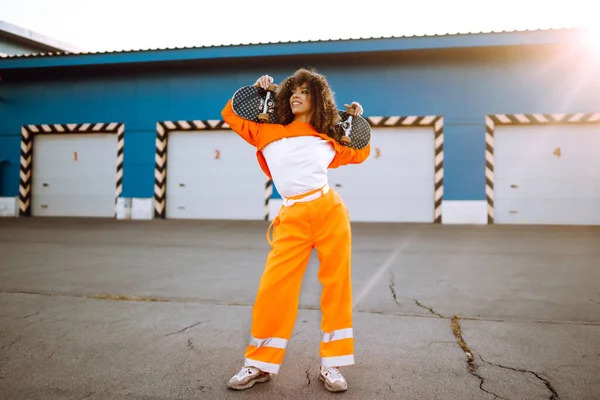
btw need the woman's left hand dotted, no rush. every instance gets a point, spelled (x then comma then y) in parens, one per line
(354, 109)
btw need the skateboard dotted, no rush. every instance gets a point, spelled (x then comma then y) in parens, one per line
(254, 103)
(257, 104)
(356, 131)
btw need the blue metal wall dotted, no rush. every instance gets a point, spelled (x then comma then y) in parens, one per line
(461, 85)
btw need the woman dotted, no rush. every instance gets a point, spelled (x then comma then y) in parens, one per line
(296, 153)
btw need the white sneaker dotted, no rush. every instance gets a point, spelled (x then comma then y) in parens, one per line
(247, 377)
(334, 381)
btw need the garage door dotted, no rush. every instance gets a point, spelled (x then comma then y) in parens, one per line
(74, 175)
(547, 174)
(213, 175)
(396, 183)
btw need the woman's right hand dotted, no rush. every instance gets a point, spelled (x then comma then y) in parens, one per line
(264, 82)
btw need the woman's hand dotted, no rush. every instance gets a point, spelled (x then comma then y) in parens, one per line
(264, 82)
(354, 109)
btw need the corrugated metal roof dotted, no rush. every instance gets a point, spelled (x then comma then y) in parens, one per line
(36, 39)
(124, 51)
(312, 48)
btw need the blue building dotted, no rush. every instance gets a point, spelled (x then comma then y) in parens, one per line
(481, 128)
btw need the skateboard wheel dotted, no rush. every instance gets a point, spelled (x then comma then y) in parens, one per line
(345, 139)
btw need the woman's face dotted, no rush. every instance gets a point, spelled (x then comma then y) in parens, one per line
(301, 101)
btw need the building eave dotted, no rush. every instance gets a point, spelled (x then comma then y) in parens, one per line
(302, 48)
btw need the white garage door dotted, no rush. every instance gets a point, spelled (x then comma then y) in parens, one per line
(548, 174)
(213, 175)
(74, 175)
(396, 182)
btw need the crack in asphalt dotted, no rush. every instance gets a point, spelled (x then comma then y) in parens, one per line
(91, 296)
(11, 344)
(471, 366)
(431, 310)
(307, 307)
(186, 328)
(392, 287)
(27, 316)
(546, 382)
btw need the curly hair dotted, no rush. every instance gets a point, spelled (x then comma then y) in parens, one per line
(325, 117)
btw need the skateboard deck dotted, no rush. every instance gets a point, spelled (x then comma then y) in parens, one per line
(254, 103)
(257, 104)
(356, 131)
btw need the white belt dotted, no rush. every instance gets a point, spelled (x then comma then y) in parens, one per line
(316, 195)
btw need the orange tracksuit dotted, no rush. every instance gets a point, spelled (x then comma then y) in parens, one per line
(317, 219)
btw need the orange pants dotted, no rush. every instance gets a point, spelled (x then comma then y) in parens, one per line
(322, 223)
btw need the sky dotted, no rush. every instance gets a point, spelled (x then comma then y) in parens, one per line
(142, 24)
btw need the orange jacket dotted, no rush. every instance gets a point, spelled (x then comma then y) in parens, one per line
(261, 134)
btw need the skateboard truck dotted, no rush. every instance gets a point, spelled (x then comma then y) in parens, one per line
(268, 105)
(347, 128)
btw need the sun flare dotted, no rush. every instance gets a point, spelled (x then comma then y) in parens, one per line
(591, 41)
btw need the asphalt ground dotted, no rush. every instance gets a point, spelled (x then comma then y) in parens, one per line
(107, 309)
